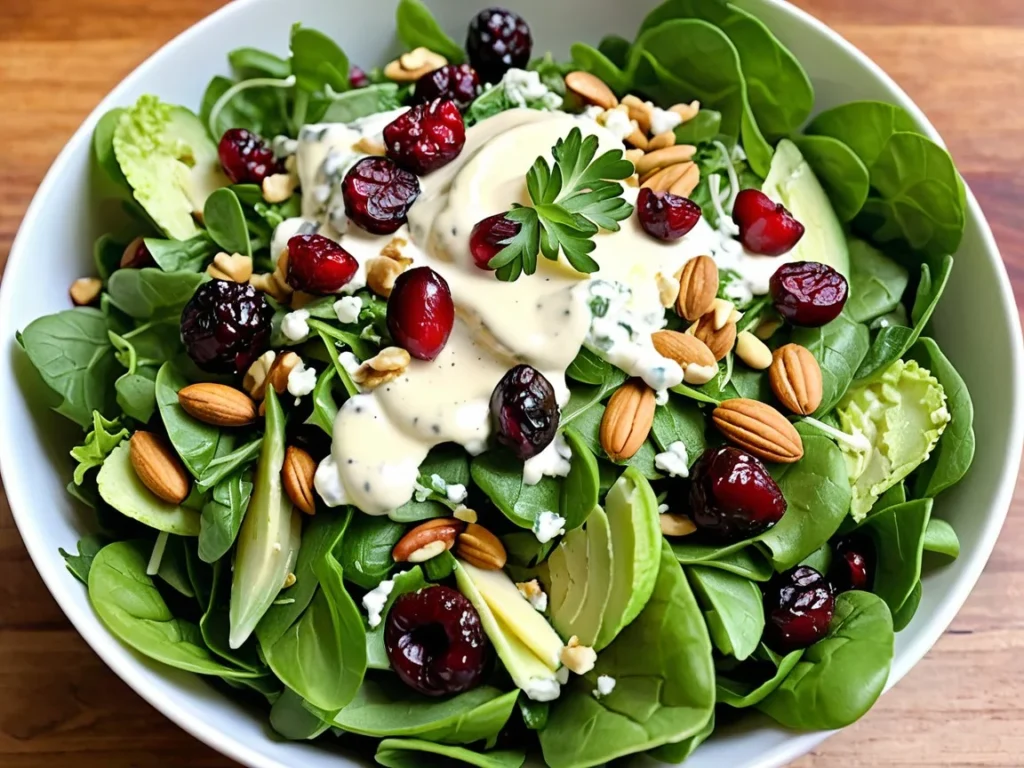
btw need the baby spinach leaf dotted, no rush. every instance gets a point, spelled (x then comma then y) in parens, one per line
(440, 568)
(371, 100)
(74, 357)
(534, 713)
(588, 368)
(222, 516)
(579, 490)
(500, 475)
(695, 394)
(590, 59)
(130, 606)
(252, 62)
(147, 293)
(227, 461)
(680, 420)
(732, 607)
(261, 109)
(290, 718)
(840, 677)
(863, 126)
(663, 695)
(103, 148)
(749, 562)
(940, 538)
(362, 348)
(418, 28)
(225, 221)
(583, 398)
(194, 441)
(408, 581)
(79, 564)
(843, 175)
(416, 753)
(954, 454)
(136, 394)
(679, 751)
(450, 464)
(877, 283)
(746, 686)
(365, 552)
(215, 623)
(898, 534)
(387, 708)
(325, 409)
(839, 347)
(189, 255)
(700, 129)
(902, 618)
(317, 61)
(616, 48)
(172, 570)
(106, 255)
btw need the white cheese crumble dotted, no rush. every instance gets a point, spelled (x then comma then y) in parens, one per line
(662, 509)
(456, 493)
(375, 599)
(542, 688)
(547, 526)
(562, 675)
(533, 592)
(553, 461)
(348, 308)
(525, 86)
(605, 685)
(661, 396)
(593, 112)
(294, 326)
(663, 121)
(618, 122)
(674, 462)
(301, 381)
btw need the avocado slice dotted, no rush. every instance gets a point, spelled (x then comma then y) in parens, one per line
(268, 543)
(575, 573)
(585, 621)
(557, 590)
(167, 157)
(121, 488)
(632, 511)
(792, 182)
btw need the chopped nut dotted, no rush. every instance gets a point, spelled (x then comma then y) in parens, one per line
(273, 286)
(255, 378)
(676, 524)
(641, 111)
(663, 179)
(579, 658)
(289, 581)
(269, 370)
(85, 290)
(529, 589)
(393, 250)
(591, 89)
(686, 111)
(368, 146)
(723, 309)
(278, 187)
(427, 552)
(411, 66)
(668, 289)
(752, 351)
(387, 365)
(767, 327)
(381, 273)
(662, 141)
(638, 139)
(235, 267)
(633, 155)
(465, 514)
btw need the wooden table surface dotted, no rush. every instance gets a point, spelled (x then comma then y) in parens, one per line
(962, 62)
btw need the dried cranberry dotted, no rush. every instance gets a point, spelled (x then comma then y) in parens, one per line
(225, 326)
(427, 137)
(357, 78)
(490, 236)
(807, 293)
(421, 312)
(798, 608)
(435, 642)
(318, 265)
(378, 194)
(732, 496)
(666, 216)
(136, 255)
(459, 83)
(852, 564)
(766, 227)
(498, 40)
(525, 411)
(246, 159)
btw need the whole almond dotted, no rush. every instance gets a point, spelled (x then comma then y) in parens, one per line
(158, 467)
(627, 420)
(661, 158)
(692, 354)
(591, 89)
(698, 287)
(478, 546)
(758, 429)
(217, 404)
(424, 538)
(795, 377)
(720, 341)
(297, 478)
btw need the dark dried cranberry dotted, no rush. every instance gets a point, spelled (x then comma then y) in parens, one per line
(357, 78)
(798, 608)
(766, 227)
(421, 312)
(732, 496)
(852, 563)
(490, 236)
(459, 83)
(245, 158)
(525, 411)
(317, 264)
(225, 326)
(137, 255)
(498, 40)
(807, 293)
(378, 194)
(427, 137)
(435, 642)
(664, 215)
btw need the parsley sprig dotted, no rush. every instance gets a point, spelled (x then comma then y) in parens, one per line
(572, 201)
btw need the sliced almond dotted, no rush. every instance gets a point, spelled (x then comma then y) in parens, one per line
(640, 111)
(426, 535)
(638, 139)
(217, 404)
(686, 111)
(158, 467)
(661, 141)
(591, 89)
(759, 429)
(698, 287)
(297, 478)
(682, 348)
(680, 153)
(627, 420)
(795, 378)
(478, 546)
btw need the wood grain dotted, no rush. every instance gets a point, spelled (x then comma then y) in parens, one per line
(963, 62)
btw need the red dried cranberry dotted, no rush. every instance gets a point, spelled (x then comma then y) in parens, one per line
(459, 83)
(666, 216)
(357, 78)
(378, 194)
(245, 158)
(427, 137)
(137, 255)
(498, 40)
(798, 608)
(807, 293)
(435, 642)
(225, 326)
(732, 496)
(490, 236)
(525, 411)
(766, 227)
(852, 564)
(421, 312)
(318, 265)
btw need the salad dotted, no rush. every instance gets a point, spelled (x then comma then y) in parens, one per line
(489, 404)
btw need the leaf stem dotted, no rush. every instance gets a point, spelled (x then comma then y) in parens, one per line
(856, 442)
(237, 88)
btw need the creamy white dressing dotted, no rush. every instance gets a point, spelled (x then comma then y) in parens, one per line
(381, 437)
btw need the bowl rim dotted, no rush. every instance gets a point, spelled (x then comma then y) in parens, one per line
(113, 654)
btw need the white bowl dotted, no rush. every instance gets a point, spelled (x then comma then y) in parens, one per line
(976, 323)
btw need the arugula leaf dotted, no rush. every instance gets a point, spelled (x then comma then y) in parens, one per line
(104, 437)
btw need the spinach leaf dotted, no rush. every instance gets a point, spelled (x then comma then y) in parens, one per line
(365, 552)
(588, 368)
(534, 713)
(954, 453)
(136, 394)
(317, 61)
(732, 607)
(222, 516)
(416, 753)
(587, 424)
(590, 59)
(902, 618)
(79, 564)
(227, 461)
(700, 129)
(500, 475)
(695, 394)
(173, 571)
(664, 694)
(843, 175)
(386, 708)
(583, 398)
(362, 348)
(259, 108)
(408, 581)
(195, 442)
(290, 718)
(74, 357)
(215, 623)
(103, 148)
(749, 562)
(744, 687)
(898, 534)
(679, 751)
(441, 567)
(877, 283)
(863, 126)
(371, 100)
(839, 348)
(252, 62)
(189, 255)
(106, 255)
(418, 28)
(840, 677)
(579, 490)
(680, 421)
(324, 408)
(940, 538)
(450, 464)
(130, 606)
(225, 221)
(147, 293)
